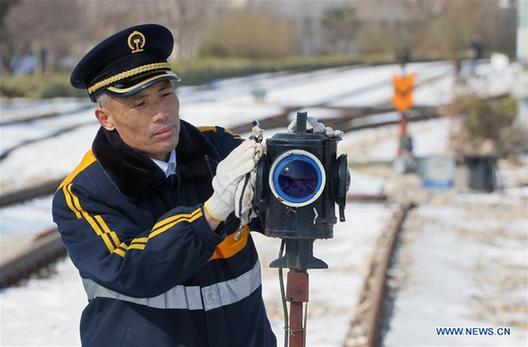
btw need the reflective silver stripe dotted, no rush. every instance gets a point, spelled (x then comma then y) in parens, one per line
(185, 297)
(229, 292)
(181, 297)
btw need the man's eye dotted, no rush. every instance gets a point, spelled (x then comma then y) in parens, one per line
(139, 104)
(166, 94)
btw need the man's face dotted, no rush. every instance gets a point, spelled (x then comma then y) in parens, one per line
(147, 121)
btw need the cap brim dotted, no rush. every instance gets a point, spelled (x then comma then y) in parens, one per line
(136, 88)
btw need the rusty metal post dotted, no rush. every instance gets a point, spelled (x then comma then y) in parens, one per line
(297, 295)
(403, 132)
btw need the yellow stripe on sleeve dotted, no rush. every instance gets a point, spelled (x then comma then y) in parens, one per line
(107, 230)
(69, 202)
(141, 242)
(172, 218)
(140, 246)
(90, 220)
(194, 216)
(102, 230)
(119, 251)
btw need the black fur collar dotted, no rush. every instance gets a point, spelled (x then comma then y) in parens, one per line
(135, 174)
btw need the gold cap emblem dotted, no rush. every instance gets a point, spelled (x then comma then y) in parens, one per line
(136, 42)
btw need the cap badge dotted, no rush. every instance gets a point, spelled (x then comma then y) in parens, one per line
(136, 42)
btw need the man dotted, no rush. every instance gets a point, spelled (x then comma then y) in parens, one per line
(147, 217)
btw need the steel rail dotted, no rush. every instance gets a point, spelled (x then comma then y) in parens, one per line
(365, 327)
(29, 193)
(44, 251)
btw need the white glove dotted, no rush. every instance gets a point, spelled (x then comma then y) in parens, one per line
(244, 197)
(228, 174)
(316, 127)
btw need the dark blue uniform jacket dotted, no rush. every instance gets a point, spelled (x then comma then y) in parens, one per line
(154, 271)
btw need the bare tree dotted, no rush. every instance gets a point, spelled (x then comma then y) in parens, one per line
(53, 29)
(43, 28)
(339, 28)
(6, 45)
(184, 18)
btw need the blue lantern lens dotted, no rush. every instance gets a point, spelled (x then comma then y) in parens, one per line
(297, 178)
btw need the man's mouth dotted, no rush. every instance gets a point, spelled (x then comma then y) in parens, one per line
(166, 131)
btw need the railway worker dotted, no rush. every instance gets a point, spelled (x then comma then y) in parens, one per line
(147, 216)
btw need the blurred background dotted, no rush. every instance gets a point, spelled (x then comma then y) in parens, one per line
(223, 38)
(432, 97)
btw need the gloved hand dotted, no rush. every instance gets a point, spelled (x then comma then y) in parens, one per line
(316, 127)
(244, 197)
(246, 186)
(229, 172)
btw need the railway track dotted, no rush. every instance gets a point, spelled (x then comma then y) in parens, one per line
(32, 192)
(44, 251)
(365, 327)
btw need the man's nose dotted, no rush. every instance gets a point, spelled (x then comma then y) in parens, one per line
(160, 113)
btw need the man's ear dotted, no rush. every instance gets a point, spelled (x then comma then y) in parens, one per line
(104, 116)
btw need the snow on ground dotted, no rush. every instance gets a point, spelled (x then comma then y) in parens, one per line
(43, 312)
(227, 113)
(436, 92)
(492, 79)
(241, 87)
(463, 263)
(336, 87)
(20, 108)
(48, 159)
(382, 92)
(381, 144)
(19, 224)
(15, 134)
(12, 217)
(322, 90)
(361, 183)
